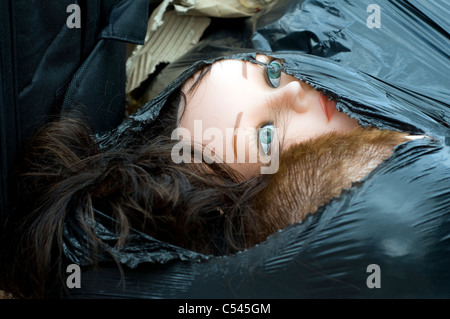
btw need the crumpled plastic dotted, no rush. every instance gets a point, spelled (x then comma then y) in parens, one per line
(49, 67)
(397, 218)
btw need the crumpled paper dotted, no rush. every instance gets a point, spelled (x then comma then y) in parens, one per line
(175, 27)
(169, 35)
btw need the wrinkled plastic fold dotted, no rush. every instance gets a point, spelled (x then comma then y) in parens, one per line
(398, 218)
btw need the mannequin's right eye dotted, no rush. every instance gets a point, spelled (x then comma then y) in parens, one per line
(265, 137)
(274, 73)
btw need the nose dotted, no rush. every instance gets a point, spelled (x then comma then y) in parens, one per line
(290, 95)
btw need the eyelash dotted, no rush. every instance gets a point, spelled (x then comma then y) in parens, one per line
(268, 68)
(259, 131)
(264, 73)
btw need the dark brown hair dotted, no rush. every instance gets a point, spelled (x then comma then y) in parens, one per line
(202, 207)
(207, 208)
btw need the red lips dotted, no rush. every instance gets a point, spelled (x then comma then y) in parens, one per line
(328, 106)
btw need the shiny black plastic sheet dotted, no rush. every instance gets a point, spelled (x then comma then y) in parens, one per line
(47, 67)
(398, 218)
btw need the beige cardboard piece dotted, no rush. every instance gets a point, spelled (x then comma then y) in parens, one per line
(217, 8)
(169, 35)
(174, 27)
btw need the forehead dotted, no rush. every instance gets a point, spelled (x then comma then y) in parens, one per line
(216, 93)
(221, 68)
(218, 71)
(211, 92)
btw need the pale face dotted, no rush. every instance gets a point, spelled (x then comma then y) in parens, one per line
(237, 99)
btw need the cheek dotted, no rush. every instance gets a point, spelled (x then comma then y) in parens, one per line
(301, 127)
(248, 158)
(343, 123)
(247, 170)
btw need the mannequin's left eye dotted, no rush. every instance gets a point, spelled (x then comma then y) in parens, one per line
(274, 73)
(266, 136)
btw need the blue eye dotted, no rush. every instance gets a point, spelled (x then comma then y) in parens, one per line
(274, 73)
(265, 137)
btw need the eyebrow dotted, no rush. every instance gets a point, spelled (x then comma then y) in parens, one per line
(236, 126)
(244, 69)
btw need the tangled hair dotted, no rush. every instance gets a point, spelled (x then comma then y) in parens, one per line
(202, 207)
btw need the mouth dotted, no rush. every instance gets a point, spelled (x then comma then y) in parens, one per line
(328, 106)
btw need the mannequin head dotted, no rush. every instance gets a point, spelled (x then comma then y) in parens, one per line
(243, 108)
(206, 208)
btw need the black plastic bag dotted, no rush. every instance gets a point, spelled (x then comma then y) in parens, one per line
(49, 66)
(395, 224)
(397, 221)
